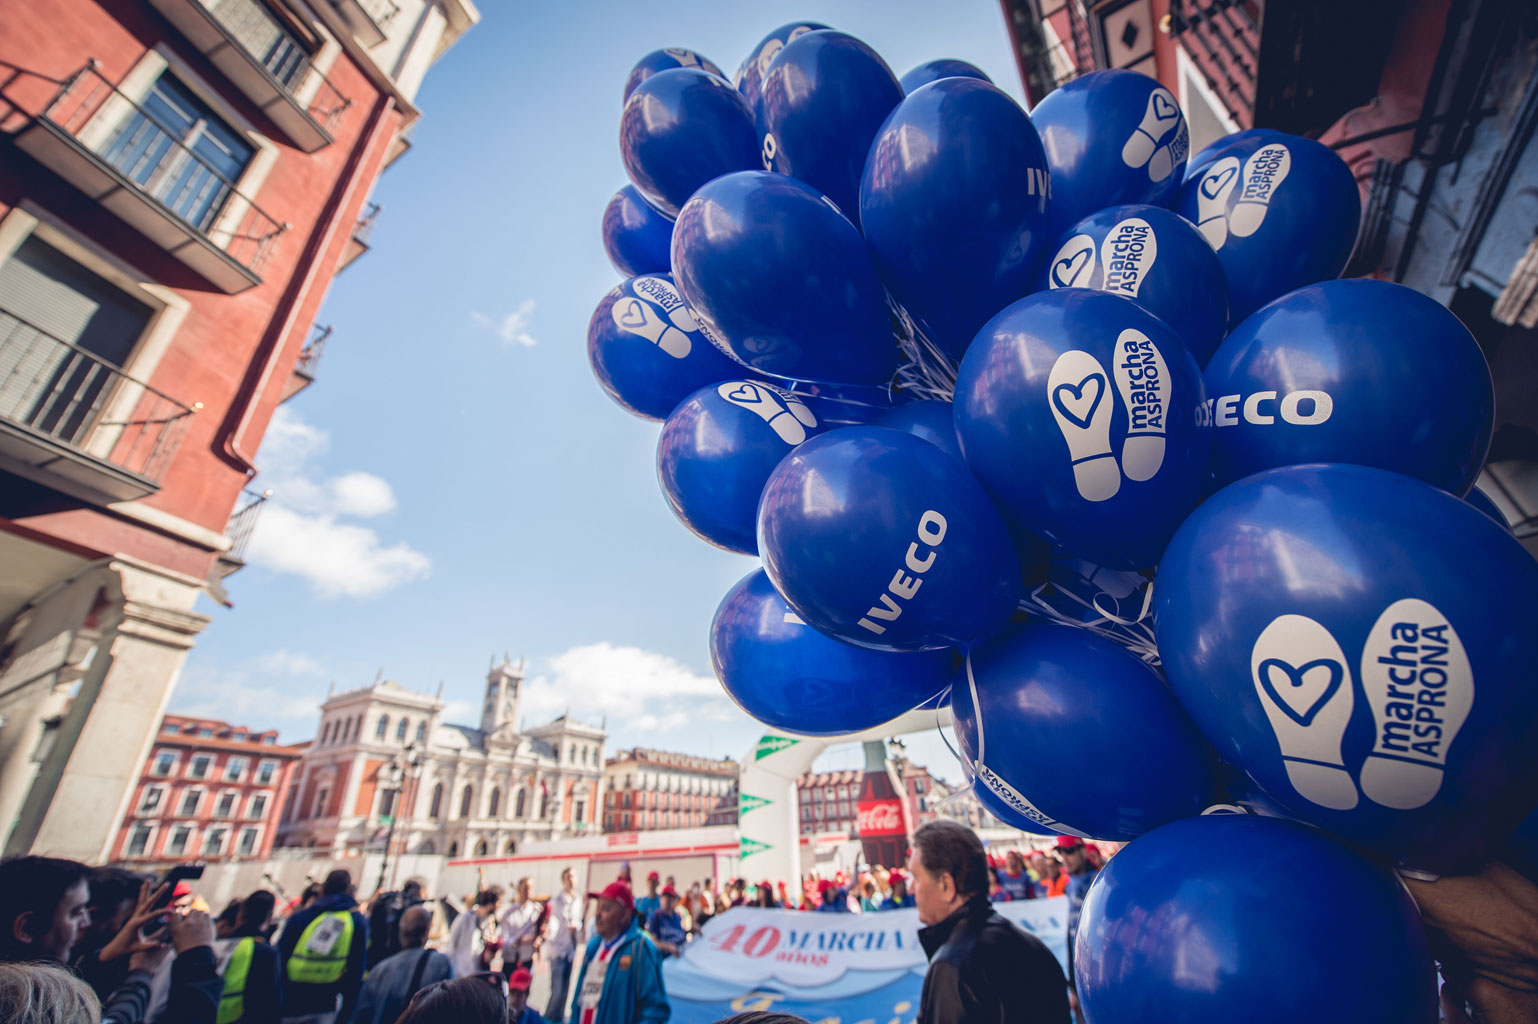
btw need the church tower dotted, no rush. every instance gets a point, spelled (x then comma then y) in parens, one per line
(503, 681)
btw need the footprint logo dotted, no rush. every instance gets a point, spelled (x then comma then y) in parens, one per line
(1300, 675)
(1212, 200)
(1076, 390)
(1128, 254)
(784, 412)
(639, 317)
(1264, 173)
(1144, 146)
(1074, 264)
(1418, 682)
(1143, 380)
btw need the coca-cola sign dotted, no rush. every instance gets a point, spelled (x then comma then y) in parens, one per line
(880, 818)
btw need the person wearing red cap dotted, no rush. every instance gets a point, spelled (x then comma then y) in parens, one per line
(900, 897)
(1080, 874)
(621, 977)
(518, 1009)
(666, 924)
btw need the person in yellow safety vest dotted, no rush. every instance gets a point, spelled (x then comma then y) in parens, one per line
(322, 947)
(253, 978)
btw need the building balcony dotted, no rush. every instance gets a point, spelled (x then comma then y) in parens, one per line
(369, 20)
(308, 362)
(358, 242)
(264, 60)
(400, 145)
(114, 151)
(73, 422)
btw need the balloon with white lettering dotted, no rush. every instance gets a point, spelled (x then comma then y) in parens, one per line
(1007, 813)
(934, 70)
(1360, 644)
(681, 128)
(717, 449)
(1281, 212)
(1156, 259)
(954, 206)
(821, 103)
(666, 59)
(1360, 371)
(809, 306)
(1038, 706)
(1078, 411)
(933, 421)
(882, 540)
(646, 349)
(789, 676)
(636, 236)
(1210, 152)
(1111, 137)
(750, 73)
(1204, 919)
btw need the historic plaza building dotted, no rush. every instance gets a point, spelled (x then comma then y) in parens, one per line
(385, 770)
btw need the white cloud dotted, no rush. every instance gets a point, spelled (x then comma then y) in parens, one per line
(289, 663)
(512, 328)
(641, 693)
(275, 690)
(303, 529)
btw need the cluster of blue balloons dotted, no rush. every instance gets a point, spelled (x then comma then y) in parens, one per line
(1043, 415)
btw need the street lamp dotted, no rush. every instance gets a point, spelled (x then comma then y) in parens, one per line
(392, 781)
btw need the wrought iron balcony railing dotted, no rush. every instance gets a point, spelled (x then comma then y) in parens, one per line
(271, 45)
(1222, 37)
(58, 395)
(309, 356)
(126, 140)
(243, 523)
(364, 229)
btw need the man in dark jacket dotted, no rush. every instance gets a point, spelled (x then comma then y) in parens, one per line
(253, 978)
(384, 921)
(981, 966)
(323, 947)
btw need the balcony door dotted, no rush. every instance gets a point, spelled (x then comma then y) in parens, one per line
(179, 151)
(62, 331)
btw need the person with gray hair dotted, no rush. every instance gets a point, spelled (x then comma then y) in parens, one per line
(982, 967)
(391, 983)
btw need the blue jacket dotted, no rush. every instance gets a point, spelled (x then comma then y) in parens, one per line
(300, 999)
(632, 986)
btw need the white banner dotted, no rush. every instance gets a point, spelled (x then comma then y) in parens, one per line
(753, 946)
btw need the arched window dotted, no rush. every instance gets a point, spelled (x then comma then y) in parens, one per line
(519, 804)
(357, 727)
(325, 734)
(400, 730)
(383, 727)
(427, 847)
(480, 848)
(422, 731)
(435, 811)
(496, 802)
(464, 801)
(454, 849)
(544, 805)
(512, 846)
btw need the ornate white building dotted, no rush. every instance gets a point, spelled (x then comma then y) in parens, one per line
(462, 791)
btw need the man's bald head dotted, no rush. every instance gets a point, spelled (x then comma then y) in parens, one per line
(415, 924)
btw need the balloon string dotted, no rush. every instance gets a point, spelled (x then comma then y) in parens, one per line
(940, 728)
(1135, 635)
(926, 371)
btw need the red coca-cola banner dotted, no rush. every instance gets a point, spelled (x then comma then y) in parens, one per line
(880, 818)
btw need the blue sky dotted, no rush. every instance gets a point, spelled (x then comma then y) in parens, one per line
(455, 483)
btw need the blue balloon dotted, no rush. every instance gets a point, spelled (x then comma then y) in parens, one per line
(1358, 371)
(882, 540)
(1233, 917)
(1486, 504)
(1281, 213)
(750, 73)
(1199, 163)
(996, 806)
(1111, 137)
(954, 206)
(783, 280)
(840, 405)
(933, 421)
(680, 129)
(1359, 643)
(822, 102)
(1156, 259)
(666, 59)
(717, 449)
(646, 350)
(637, 238)
(934, 70)
(1078, 735)
(789, 676)
(1077, 410)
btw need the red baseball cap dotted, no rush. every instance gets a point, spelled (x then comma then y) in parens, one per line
(619, 892)
(896, 876)
(668, 890)
(652, 876)
(520, 980)
(1069, 842)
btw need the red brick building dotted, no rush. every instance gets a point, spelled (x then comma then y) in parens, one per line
(209, 791)
(180, 180)
(829, 799)
(654, 789)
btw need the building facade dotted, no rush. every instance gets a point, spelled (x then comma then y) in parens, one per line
(179, 183)
(654, 789)
(385, 772)
(209, 791)
(829, 800)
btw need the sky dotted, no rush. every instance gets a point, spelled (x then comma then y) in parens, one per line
(455, 485)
